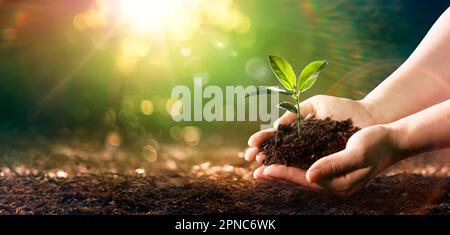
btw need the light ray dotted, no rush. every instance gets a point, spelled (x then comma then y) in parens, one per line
(63, 81)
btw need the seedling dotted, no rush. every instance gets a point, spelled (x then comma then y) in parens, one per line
(294, 85)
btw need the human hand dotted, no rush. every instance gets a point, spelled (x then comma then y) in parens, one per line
(368, 153)
(322, 106)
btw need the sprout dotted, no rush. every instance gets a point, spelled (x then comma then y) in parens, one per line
(294, 85)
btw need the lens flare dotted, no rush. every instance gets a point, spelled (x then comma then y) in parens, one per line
(149, 14)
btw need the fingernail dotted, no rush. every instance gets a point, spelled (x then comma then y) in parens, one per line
(276, 124)
(246, 155)
(259, 158)
(267, 170)
(311, 176)
(256, 176)
(257, 172)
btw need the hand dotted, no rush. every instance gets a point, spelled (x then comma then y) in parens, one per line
(368, 153)
(323, 107)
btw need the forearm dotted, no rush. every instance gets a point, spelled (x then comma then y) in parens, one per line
(422, 81)
(424, 131)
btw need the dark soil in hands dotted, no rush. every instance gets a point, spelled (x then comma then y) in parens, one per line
(318, 138)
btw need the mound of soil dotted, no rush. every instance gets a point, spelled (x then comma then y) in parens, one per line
(318, 138)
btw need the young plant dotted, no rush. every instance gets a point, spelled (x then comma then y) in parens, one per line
(294, 85)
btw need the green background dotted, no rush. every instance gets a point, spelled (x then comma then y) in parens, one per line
(364, 41)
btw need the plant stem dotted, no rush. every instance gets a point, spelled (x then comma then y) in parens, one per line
(299, 115)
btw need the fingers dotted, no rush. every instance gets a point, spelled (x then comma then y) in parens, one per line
(260, 158)
(332, 165)
(250, 153)
(259, 137)
(307, 107)
(290, 174)
(288, 117)
(343, 185)
(258, 174)
(347, 184)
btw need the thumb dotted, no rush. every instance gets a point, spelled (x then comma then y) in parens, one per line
(332, 165)
(307, 107)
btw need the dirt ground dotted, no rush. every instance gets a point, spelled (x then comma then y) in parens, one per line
(77, 178)
(118, 194)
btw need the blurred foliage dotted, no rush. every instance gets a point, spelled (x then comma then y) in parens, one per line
(63, 70)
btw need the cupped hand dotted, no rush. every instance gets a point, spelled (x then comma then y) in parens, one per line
(323, 107)
(368, 153)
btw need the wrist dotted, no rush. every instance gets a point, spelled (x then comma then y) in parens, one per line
(373, 110)
(399, 136)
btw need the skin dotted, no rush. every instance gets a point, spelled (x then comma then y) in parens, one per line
(407, 114)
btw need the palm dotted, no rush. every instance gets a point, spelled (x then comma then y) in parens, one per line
(322, 107)
(338, 109)
(368, 152)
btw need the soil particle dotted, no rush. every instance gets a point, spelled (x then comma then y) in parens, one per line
(318, 138)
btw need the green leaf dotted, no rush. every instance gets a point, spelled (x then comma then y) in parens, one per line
(279, 90)
(288, 106)
(310, 73)
(284, 72)
(271, 89)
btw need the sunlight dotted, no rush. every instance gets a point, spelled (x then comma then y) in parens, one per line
(150, 15)
(178, 19)
(146, 30)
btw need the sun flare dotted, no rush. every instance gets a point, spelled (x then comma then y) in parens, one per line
(150, 14)
(146, 28)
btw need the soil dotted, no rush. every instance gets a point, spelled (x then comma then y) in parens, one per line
(79, 177)
(121, 194)
(318, 138)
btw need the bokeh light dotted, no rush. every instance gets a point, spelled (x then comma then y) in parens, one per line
(150, 153)
(146, 107)
(143, 26)
(174, 107)
(72, 67)
(113, 139)
(191, 135)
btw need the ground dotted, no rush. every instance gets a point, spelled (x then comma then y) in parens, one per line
(72, 177)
